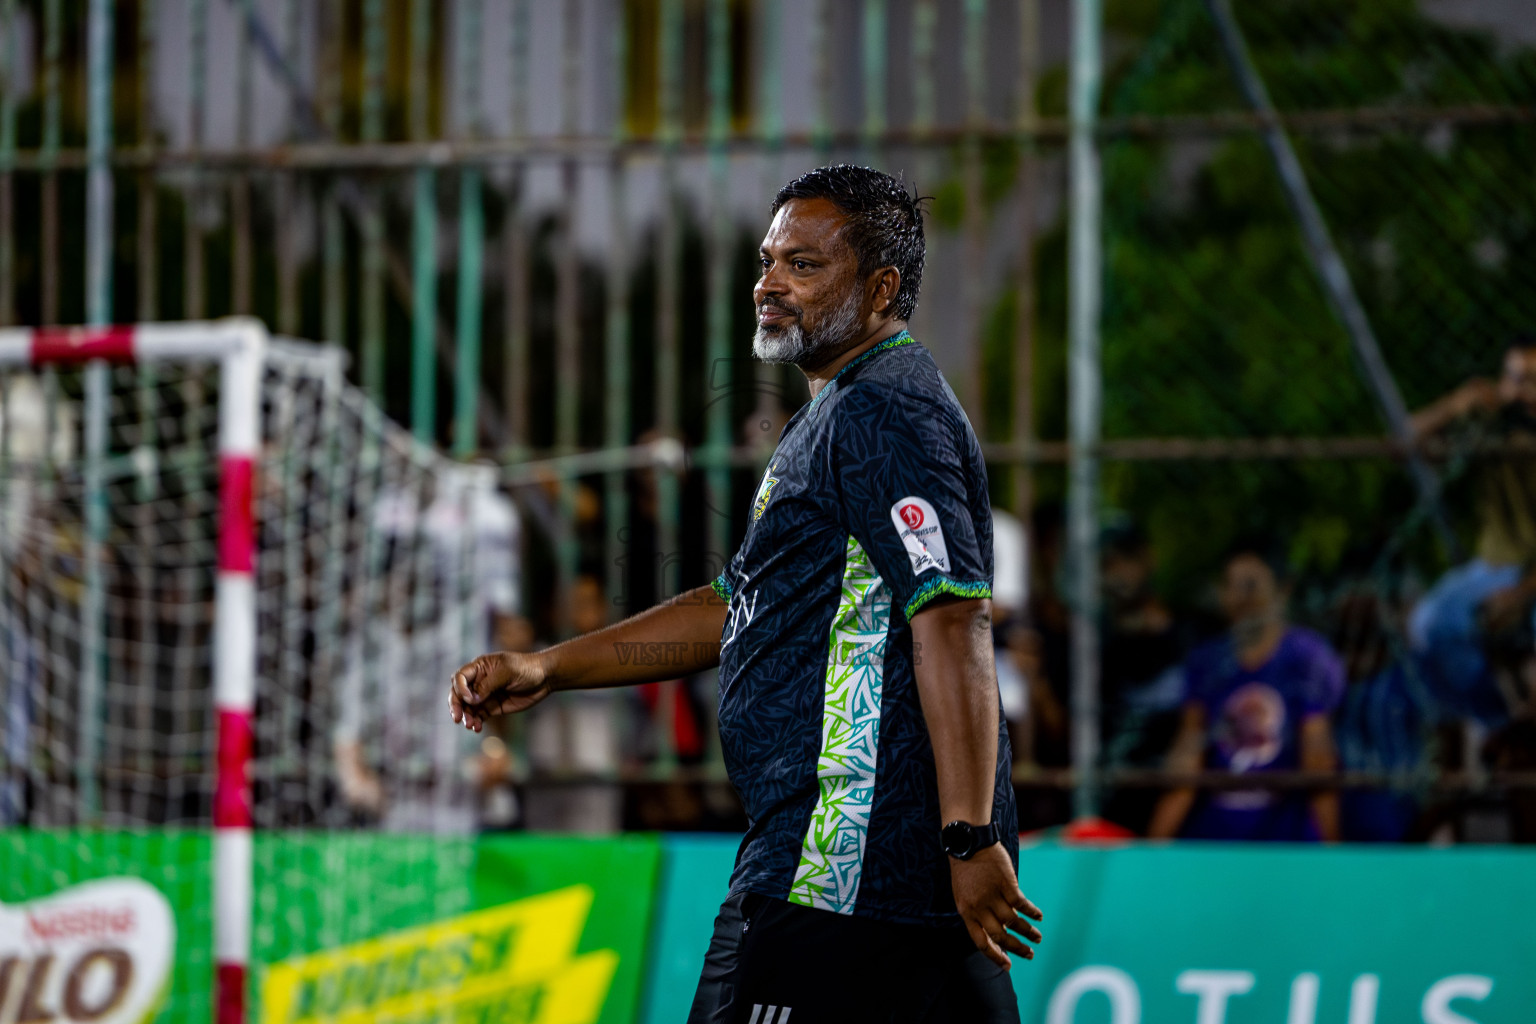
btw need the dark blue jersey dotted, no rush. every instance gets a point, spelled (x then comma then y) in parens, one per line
(873, 505)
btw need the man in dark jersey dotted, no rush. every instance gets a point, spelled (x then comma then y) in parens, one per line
(858, 699)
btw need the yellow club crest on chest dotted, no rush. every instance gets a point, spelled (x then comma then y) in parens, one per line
(764, 490)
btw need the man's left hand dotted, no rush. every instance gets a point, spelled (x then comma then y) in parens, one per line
(994, 909)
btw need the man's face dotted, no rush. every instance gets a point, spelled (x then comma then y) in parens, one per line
(1249, 589)
(1126, 578)
(1518, 384)
(810, 299)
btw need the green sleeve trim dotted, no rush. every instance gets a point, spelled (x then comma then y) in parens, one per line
(971, 589)
(721, 586)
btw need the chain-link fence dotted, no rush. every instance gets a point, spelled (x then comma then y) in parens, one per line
(534, 225)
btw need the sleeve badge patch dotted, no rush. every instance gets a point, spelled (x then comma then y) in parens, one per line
(918, 526)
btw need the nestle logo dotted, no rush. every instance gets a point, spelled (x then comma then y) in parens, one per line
(83, 922)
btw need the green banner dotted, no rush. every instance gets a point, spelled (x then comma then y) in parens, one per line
(502, 930)
(111, 927)
(117, 927)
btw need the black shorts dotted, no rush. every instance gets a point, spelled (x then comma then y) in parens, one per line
(775, 962)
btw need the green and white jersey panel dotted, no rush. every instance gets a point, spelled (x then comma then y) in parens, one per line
(832, 855)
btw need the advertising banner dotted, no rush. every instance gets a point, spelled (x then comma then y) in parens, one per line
(107, 927)
(499, 930)
(346, 927)
(1216, 934)
(353, 927)
(1258, 935)
(695, 873)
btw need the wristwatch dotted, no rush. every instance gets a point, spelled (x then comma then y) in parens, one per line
(961, 840)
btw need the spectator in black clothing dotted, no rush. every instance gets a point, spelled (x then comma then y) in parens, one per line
(1143, 651)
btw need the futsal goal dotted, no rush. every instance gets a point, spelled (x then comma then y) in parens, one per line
(231, 592)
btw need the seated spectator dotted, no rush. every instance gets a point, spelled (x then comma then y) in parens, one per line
(1381, 724)
(1256, 699)
(1487, 603)
(1142, 670)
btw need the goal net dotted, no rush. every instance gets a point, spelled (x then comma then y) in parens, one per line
(231, 594)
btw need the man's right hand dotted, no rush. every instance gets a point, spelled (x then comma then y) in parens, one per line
(501, 683)
(992, 906)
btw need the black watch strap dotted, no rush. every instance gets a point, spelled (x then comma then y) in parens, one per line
(962, 840)
(988, 835)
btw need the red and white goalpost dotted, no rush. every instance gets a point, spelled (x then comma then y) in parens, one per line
(193, 516)
(237, 346)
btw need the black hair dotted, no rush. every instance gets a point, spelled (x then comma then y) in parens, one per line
(1124, 539)
(885, 222)
(1522, 343)
(1266, 549)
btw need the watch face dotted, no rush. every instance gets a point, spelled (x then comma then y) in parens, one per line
(958, 839)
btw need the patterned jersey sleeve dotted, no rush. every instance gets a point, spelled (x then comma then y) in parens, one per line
(903, 496)
(724, 585)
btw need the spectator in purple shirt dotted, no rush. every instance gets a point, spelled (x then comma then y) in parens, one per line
(1257, 699)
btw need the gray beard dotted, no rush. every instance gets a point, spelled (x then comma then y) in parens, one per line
(793, 344)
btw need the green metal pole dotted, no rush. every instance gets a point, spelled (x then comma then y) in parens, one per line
(194, 282)
(53, 43)
(7, 249)
(146, 406)
(516, 284)
(467, 367)
(771, 124)
(668, 293)
(373, 222)
(148, 305)
(770, 108)
(285, 194)
(471, 242)
(568, 311)
(1085, 396)
(925, 23)
(617, 429)
(240, 253)
(975, 220)
(8, 57)
(1025, 123)
(423, 307)
(722, 412)
(821, 47)
(423, 241)
(875, 43)
(98, 269)
(333, 246)
(7, 163)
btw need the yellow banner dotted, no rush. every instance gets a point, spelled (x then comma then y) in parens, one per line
(512, 964)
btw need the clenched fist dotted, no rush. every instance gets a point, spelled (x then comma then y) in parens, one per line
(502, 683)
